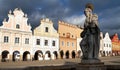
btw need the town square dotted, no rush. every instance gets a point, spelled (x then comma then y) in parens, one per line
(54, 33)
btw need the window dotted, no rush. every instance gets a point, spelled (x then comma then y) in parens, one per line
(53, 43)
(37, 41)
(68, 44)
(18, 26)
(6, 39)
(109, 45)
(16, 39)
(63, 34)
(72, 44)
(72, 36)
(104, 45)
(62, 43)
(46, 42)
(46, 29)
(26, 40)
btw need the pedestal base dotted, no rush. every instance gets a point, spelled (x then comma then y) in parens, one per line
(87, 61)
(91, 65)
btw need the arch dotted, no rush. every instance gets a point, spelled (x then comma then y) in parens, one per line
(116, 53)
(103, 53)
(47, 55)
(5, 56)
(61, 54)
(109, 53)
(67, 54)
(100, 53)
(38, 55)
(73, 54)
(16, 56)
(56, 54)
(26, 56)
(79, 54)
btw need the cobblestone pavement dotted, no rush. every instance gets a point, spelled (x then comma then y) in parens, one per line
(21, 64)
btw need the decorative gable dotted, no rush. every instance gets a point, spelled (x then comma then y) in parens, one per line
(46, 29)
(17, 20)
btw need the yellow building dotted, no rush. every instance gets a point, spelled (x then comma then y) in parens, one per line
(68, 35)
(45, 41)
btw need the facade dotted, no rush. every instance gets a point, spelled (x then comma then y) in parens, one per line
(45, 41)
(68, 35)
(18, 43)
(107, 49)
(79, 52)
(15, 37)
(101, 44)
(115, 45)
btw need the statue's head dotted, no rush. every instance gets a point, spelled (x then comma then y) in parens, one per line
(87, 12)
(89, 5)
(88, 9)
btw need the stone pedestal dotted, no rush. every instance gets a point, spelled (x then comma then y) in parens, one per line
(91, 65)
(90, 61)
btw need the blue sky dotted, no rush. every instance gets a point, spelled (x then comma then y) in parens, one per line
(70, 11)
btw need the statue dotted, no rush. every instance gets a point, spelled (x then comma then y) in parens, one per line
(91, 35)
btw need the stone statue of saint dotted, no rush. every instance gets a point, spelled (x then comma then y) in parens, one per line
(90, 36)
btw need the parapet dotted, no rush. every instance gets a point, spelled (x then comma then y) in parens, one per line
(47, 20)
(67, 24)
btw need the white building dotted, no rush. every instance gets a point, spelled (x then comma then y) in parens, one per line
(45, 41)
(79, 52)
(15, 37)
(107, 49)
(101, 44)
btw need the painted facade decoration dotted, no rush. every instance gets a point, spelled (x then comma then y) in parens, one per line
(15, 37)
(45, 41)
(115, 45)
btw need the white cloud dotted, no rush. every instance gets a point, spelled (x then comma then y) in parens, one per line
(35, 16)
(75, 19)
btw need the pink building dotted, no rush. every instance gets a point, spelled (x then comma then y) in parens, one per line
(15, 37)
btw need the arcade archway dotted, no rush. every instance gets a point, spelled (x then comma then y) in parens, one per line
(55, 54)
(79, 54)
(26, 56)
(47, 55)
(67, 54)
(61, 54)
(73, 54)
(5, 55)
(16, 56)
(38, 55)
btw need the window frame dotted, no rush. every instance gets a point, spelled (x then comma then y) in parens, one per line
(37, 41)
(26, 40)
(6, 39)
(46, 42)
(46, 29)
(53, 43)
(17, 40)
(17, 26)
